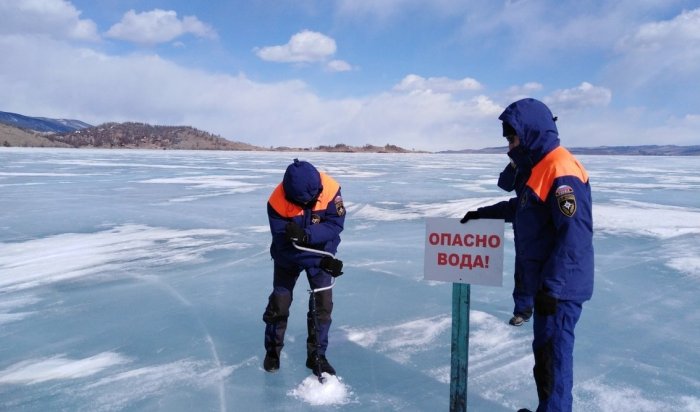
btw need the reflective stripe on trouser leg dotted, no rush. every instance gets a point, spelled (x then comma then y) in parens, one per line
(553, 348)
(324, 308)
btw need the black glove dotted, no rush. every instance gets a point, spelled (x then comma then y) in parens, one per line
(471, 215)
(332, 266)
(545, 305)
(295, 233)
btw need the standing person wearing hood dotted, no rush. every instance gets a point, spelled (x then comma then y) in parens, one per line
(511, 178)
(306, 209)
(554, 244)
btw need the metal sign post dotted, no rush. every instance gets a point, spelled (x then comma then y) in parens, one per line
(460, 347)
(464, 255)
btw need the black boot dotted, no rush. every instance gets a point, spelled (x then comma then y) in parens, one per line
(271, 362)
(319, 367)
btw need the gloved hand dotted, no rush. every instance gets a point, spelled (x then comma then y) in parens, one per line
(295, 233)
(545, 305)
(471, 215)
(333, 266)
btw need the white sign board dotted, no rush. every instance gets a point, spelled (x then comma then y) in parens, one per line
(464, 253)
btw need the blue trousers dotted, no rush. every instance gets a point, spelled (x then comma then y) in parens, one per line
(553, 347)
(277, 310)
(521, 298)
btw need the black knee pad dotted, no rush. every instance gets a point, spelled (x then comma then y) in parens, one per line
(277, 307)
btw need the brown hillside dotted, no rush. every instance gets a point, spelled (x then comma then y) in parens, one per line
(144, 136)
(11, 136)
(133, 135)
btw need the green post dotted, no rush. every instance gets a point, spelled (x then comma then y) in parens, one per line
(460, 347)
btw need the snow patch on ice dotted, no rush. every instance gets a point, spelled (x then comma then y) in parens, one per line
(331, 392)
(402, 341)
(59, 367)
(72, 256)
(412, 211)
(10, 305)
(595, 395)
(624, 217)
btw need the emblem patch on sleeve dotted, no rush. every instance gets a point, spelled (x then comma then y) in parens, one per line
(566, 200)
(339, 207)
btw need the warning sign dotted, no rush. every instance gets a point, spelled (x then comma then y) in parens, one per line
(464, 253)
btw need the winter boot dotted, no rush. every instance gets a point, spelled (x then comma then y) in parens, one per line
(272, 362)
(319, 367)
(518, 320)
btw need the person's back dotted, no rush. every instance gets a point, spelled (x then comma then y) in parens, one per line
(554, 217)
(554, 244)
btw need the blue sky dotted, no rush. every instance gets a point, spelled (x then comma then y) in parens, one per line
(426, 75)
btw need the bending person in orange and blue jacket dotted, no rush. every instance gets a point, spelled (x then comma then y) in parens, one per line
(306, 209)
(554, 244)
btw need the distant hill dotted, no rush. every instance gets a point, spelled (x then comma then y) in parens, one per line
(645, 150)
(11, 136)
(23, 131)
(648, 150)
(41, 124)
(343, 148)
(18, 130)
(144, 136)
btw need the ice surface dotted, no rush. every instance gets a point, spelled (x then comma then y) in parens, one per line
(136, 280)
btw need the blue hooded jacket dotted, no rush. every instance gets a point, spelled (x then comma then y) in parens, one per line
(554, 242)
(312, 200)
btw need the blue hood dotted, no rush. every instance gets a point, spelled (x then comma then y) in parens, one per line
(301, 183)
(534, 124)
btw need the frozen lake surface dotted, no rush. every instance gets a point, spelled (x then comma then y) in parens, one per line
(136, 280)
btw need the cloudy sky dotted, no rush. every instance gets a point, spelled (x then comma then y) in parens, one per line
(422, 74)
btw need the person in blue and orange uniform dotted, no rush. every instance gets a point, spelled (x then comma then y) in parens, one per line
(511, 178)
(554, 244)
(306, 208)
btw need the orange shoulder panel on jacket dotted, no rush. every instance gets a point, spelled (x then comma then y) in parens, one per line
(285, 208)
(557, 163)
(330, 188)
(282, 206)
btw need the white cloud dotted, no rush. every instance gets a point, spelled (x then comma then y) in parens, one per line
(157, 26)
(55, 18)
(581, 97)
(518, 92)
(413, 82)
(667, 51)
(385, 9)
(683, 31)
(431, 112)
(150, 89)
(339, 66)
(419, 120)
(303, 47)
(381, 9)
